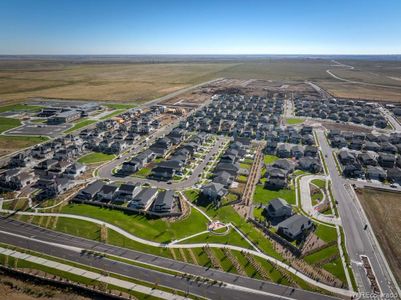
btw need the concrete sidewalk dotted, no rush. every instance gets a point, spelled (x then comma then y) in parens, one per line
(91, 275)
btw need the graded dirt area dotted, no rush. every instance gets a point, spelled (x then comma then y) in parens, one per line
(384, 210)
(11, 288)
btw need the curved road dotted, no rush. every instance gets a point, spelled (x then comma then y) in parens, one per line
(44, 240)
(198, 245)
(106, 171)
(328, 71)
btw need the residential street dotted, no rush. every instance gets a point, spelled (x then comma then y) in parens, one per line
(358, 241)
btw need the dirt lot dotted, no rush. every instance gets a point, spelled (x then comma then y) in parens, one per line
(383, 210)
(11, 288)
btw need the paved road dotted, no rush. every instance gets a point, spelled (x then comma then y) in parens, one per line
(357, 82)
(4, 159)
(306, 201)
(90, 275)
(390, 118)
(45, 235)
(105, 172)
(358, 241)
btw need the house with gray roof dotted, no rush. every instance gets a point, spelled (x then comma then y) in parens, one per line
(164, 202)
(144, 199)
(294, 226)
(213, 191)
(278, 208)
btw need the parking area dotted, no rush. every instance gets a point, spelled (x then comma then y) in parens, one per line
(40, 129)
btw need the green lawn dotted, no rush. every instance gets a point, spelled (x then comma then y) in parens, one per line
(293, 121)
(112, 114)
(269, 159)
(20, 107)
(80, 125)
(227, 214)
(144, 172)
(95, 157)
(245, 166)
(242, 178)
(232, 238)
(326, 233)
(8, 123)
(316, 257)
(264, 196)
(320, 183)
(120, 106)
(158, 230)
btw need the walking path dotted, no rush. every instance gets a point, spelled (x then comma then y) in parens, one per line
(89, 274)
(128, 235)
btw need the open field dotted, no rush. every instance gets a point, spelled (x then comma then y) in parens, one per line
(383, 210)
(9, 144)
(139, 82)
(96, 81)
(8, 123)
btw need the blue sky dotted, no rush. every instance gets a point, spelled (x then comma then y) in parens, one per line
(200, 27)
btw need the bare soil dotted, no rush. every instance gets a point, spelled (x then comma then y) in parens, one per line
(383, 209)
(11, 288)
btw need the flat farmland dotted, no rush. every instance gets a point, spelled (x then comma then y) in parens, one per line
(144, 81)
(123, 82)
(383, 210)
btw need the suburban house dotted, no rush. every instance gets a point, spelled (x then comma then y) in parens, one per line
(213, 191)
(294, 226)
(106, 193)
(376, 173)
(126, 192)
(90, 191)
(278, 208)
(164, 202)
(144, 199)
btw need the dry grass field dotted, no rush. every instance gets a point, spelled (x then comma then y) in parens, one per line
(119, 82)
(139, 82)
(383, 210)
